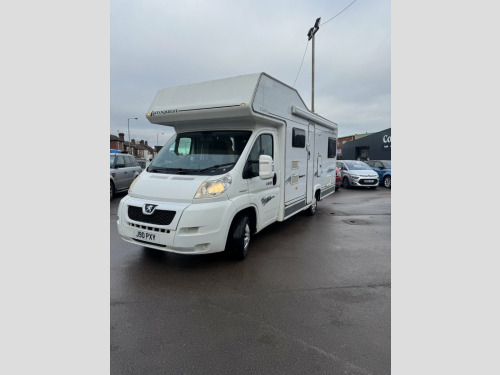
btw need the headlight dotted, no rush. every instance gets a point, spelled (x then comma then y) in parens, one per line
(355, 176)
(132, 184)
(214, 188)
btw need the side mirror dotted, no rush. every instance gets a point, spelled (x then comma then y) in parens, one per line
(266, 167)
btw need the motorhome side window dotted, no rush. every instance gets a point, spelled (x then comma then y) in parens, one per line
(298, 138)
(262, 146)
(332, 147)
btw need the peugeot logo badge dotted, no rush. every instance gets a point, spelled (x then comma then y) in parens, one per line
(148, 209)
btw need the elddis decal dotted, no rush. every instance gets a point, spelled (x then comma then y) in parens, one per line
(163, 112)
(266, 200)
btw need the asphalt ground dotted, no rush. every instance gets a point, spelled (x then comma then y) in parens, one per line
(312, 297)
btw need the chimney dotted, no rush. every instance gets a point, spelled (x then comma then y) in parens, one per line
(133, 141)
(141, 142)
(146, 143)
(122, 136)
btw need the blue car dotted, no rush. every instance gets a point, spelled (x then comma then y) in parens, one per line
(383, 168)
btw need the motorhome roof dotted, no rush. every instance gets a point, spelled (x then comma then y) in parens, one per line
(229, 98)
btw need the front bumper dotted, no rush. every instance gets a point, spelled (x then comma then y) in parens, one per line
(199, 228)
(365, 182)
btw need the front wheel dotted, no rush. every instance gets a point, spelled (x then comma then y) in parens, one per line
(345, 183)
(111, 190)
(238, 240)
(387, 182)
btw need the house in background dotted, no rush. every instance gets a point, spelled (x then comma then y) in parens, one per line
(140, 150)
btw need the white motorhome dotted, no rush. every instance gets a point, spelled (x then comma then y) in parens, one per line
(246, 153)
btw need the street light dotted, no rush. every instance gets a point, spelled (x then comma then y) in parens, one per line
(128, 125)
(157, 138)
(310, 35)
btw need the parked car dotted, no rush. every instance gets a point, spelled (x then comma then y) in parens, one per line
(143, 163)
(338, 178)
(383, 168)
(357, 173)
(123, 169)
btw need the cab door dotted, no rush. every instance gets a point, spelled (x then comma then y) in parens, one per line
(263, 194)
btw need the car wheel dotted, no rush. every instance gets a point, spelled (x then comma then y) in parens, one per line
(312, 209)
(238, 240)
(387, 182)
(345, 183)
(111, 190)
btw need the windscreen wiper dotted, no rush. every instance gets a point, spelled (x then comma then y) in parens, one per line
(216, 166)
(161, 170)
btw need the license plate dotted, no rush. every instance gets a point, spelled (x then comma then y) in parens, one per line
(145, 236)
(368, 181)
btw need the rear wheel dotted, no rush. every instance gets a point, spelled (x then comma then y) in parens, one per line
(238, 240)
(387, 182)
(111, 190)
(314, 205)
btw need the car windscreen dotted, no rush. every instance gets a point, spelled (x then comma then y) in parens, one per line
(387, 164)
(203, 152)
(356, 165)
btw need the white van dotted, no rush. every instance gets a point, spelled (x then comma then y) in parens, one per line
(247, 153)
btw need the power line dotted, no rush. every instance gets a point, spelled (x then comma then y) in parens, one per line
(308, 40)
(301, 63)
(339, 13)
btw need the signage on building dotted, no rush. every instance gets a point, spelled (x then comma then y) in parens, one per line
(386, 142)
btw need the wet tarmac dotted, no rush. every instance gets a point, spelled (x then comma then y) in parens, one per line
(312, 297)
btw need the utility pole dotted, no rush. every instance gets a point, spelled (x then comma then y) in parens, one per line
(128, 126)
(310, 35)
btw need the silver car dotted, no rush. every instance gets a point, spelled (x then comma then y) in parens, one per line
(123, 169)
(357, 173)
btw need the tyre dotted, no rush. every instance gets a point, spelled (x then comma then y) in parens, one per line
(111, 190)
(387, 182)
(238, 240)
(345, 183)
(314, 205)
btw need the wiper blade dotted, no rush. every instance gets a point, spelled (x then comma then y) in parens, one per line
(160, 170)
(216, 166)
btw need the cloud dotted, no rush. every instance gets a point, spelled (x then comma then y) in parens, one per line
(157, 44)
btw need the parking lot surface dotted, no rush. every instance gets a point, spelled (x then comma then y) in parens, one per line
(312, 297)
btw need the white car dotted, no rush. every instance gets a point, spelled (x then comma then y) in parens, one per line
(357, 173)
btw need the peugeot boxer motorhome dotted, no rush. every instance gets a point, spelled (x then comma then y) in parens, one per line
(246, 153)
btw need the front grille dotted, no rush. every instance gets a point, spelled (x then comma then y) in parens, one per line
(159, 217)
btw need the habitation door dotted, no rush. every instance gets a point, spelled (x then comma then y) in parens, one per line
(310, 163)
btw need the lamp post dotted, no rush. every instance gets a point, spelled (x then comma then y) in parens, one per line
(310, 35)
(157, 138)
(128, 126)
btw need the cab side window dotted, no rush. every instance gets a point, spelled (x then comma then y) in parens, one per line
(262, 146)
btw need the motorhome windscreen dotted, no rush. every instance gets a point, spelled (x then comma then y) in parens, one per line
(204, 152)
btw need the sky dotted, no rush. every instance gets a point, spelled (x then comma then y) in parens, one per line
(157, 44)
